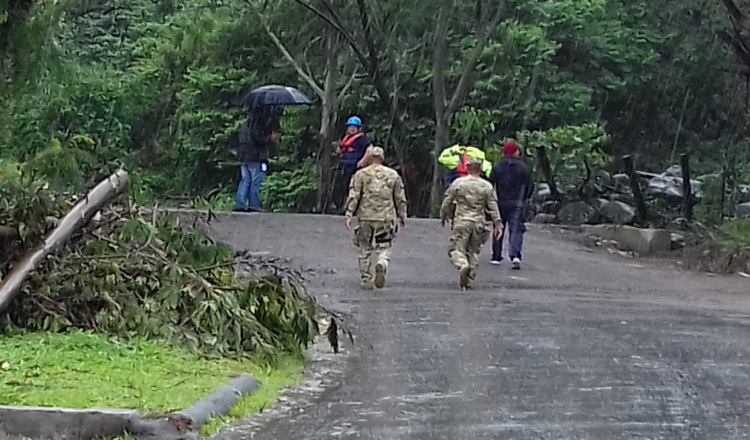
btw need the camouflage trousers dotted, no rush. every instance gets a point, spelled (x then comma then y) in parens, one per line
(466, 244)
(374, 239)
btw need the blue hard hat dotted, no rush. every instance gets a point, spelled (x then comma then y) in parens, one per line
(354, 121)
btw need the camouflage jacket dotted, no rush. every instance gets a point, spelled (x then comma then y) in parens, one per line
(376, 193)
(471, 199)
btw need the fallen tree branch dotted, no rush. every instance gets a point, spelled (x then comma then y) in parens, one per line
(82, 212)
(253, 264)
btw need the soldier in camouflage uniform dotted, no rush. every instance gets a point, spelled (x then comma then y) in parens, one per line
(378, 199)
(468, 203)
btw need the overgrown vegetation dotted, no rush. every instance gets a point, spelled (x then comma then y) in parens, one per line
(170, 314)
(85, 370)
(738, 233)
(153, 85)
(136, 275)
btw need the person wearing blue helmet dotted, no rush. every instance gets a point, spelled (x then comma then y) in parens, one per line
(351, 157)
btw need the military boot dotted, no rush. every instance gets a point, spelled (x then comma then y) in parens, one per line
(380, 271)
(465, 277)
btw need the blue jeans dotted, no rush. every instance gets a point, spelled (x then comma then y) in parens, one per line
(249, 189)
(514, 222)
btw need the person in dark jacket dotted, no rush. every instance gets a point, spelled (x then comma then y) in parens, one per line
(256, 142)
(351, 157)
(512, 180)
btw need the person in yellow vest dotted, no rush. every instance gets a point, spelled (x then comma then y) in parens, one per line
(456, 159)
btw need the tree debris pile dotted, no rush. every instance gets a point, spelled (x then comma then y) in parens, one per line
(133, 275)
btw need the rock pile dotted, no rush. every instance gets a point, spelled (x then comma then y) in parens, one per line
(610, 199)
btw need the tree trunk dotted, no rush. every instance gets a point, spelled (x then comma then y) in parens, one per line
(442, 134)
(329, 102)
(687, 189)
(640, 202)
(437, 187)
(328, 118)
(95, 200)
(445, 109)
(549, 176)
(325, 164)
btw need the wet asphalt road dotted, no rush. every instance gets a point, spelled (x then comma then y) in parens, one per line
(577, 345)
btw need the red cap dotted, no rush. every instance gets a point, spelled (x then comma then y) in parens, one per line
(510, 148)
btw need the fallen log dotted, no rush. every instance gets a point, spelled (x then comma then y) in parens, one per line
(103, 193)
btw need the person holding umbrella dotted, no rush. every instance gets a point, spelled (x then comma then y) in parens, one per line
(258, 137)
(352, 156)
(257, 141)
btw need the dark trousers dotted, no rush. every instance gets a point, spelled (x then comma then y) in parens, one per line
(343, 177)
(514, 222)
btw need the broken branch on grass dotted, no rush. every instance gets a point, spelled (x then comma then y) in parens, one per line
(80, 215)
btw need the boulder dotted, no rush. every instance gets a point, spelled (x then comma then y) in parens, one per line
(642, 241)
(550, 207)
(677, 241)
(674, 171)
(621, 182)
(627, 198)
(665, 187)
(598, 204)
(669, 188)
(678, 224)
(545, 218)
(569, 189)
(743, 210)
(543, 193)
(576, 213)
(602, 177)
(646, 175)
(743, 194)
(696, 187)
(618, 212)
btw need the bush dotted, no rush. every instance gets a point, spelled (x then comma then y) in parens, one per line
(135, 276)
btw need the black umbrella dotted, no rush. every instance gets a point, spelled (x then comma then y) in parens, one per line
(274, 96)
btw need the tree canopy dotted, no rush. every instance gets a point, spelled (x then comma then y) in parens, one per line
(153, 84)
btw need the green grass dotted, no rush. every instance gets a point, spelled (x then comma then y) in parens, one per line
(286, 373)
(738, 233)
(84, 370)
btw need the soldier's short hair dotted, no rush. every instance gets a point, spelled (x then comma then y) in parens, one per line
(474, 163)
(377, 152)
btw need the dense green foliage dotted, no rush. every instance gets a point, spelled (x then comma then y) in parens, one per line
(134, 275)
(152, 84)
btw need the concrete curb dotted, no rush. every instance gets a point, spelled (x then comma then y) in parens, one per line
(217, 404)
(89, 424)
(643, 241)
